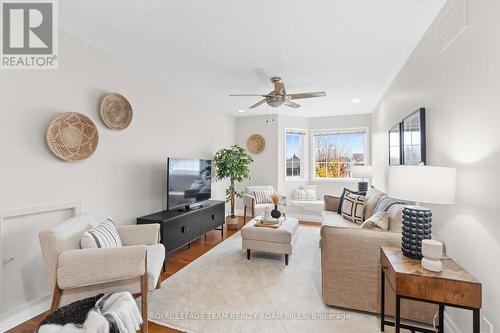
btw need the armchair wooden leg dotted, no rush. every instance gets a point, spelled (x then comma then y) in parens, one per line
(244, 215)
(144, 299)
(56, 298)
(158, 284)
(253, 212)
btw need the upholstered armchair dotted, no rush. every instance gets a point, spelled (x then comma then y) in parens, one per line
(258, 208)
(78, 273)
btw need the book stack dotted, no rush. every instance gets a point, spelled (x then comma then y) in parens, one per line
(269, 222)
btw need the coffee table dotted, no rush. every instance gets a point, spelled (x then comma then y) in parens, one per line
(279, 240)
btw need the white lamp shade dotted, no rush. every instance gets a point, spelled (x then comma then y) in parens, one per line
(428, 184)
(362, 171)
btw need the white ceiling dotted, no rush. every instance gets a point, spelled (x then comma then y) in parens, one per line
(349, 48)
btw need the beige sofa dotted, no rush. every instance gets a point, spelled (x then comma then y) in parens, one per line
(350, 263)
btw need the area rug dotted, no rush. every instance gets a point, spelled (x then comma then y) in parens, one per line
(222, 291)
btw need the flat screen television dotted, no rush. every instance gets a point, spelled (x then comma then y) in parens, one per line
(189, 181)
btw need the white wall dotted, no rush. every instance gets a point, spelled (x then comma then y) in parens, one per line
(264, 169)
(125, 176)
(124, 179)
(460, 89)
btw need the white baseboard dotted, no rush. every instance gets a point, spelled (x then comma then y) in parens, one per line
(25, 313)
(449, 325)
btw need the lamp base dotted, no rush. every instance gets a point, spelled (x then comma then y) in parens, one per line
(432, 265)
(417, 223)
(362, 187)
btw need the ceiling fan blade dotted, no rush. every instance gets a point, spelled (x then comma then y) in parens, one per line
(258, 103)
(260, 95)
(291, 104)
(306, 95)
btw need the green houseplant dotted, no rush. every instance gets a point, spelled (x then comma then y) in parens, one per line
(234, 164)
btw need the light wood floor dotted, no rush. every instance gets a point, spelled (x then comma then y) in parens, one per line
(175, 261)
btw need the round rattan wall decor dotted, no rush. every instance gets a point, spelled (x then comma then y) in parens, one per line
(72, 136)
(116, 111)
(256, 144)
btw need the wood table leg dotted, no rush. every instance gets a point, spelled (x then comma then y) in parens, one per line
(398, 314)
(248, 254)
(286, 259)
(476, 326)
(382, 299)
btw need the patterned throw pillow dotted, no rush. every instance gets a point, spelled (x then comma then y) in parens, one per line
(102, 235)
(262, 197)
(344, 193)
(385, 203)
(379, 220)
(353, 207)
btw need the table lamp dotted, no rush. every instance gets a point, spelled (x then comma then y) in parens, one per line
(421, 184)
(365, 172)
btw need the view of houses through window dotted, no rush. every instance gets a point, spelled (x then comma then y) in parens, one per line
(295, 151)
(336, 152)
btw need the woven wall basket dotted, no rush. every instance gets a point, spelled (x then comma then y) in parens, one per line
(72, 136)
(116, 111)
(256, 144)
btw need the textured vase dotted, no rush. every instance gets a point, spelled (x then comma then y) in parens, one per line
(417, 225)
(275, 213)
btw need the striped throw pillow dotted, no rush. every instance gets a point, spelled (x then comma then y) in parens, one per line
(262, 197)
(102, 235)
(353, 208)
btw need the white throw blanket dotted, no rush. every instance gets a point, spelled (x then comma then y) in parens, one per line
(108, 313)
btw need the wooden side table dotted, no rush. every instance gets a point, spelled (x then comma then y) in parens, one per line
(452, 287)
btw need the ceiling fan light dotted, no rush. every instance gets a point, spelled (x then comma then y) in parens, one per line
(275, 103)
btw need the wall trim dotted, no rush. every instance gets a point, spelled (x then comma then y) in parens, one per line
(37, 306)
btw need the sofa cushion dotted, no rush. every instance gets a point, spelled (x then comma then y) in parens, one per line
(332, 203)
(332, 219)
(372, 198)
(395, 213)
(353, 208)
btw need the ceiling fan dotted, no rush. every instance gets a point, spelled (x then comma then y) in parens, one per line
(279, 96)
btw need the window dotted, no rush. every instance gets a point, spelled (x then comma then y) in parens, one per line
(335, 152)
(295, 153)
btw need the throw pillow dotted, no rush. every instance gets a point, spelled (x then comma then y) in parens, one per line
(353, 207)
(300, 195)
(385, 203)
(102, 235)
(262, 197)
(344, 192)
(331, 203)
(371, 202)
(310, 194)
(379, 220)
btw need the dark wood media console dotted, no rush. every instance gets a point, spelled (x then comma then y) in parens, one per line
(180, 228)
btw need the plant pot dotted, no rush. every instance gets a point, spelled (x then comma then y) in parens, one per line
(232, 222)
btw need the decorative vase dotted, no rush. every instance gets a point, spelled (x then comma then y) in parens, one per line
(275, 212)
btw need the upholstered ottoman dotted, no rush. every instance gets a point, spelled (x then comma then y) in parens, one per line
(279, 240)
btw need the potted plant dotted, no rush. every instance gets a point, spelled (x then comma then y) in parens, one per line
(234, 164)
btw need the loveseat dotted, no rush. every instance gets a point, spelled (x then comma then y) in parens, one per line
(350, 261)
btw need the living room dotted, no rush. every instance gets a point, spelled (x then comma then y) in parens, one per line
(350, 115)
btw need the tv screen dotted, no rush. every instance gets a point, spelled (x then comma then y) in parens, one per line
(188, 181)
